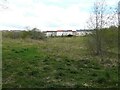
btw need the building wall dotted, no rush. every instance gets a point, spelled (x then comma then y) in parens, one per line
(65, 33)
(51, 33)
(48, 33)
(74, 33)
(81, 33)
(59, 33)
(70, 33)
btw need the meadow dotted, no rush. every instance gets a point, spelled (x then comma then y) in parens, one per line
(60, 62)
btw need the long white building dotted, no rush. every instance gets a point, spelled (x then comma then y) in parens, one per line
(67, 32)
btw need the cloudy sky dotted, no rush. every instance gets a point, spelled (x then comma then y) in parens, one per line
(46, 14)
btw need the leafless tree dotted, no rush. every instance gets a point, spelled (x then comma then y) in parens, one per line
(119, 12)
(96, 22)
(102, 16)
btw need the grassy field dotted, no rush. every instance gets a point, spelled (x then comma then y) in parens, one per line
(54, 63)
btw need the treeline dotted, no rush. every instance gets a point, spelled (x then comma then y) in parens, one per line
(17, 34)
(108, 41)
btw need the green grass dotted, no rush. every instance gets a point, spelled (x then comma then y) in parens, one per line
(54, 63)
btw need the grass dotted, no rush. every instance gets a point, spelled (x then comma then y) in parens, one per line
(54, 63)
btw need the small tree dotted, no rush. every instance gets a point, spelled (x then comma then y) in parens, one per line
(37, 34)
(100, 18)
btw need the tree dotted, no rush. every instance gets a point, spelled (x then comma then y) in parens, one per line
(119, 12)
(102, 16)
(37, 34)
(97, 22)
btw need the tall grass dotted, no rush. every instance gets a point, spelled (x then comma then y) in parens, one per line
(54, 63)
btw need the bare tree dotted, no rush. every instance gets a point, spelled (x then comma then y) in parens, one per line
(119, 12)
(96, 22)
(102, 16)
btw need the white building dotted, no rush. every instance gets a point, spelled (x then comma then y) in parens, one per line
(83, 32)
(50, 33)
(64, 32)
(67, 32)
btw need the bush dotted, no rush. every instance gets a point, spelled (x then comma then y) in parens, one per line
(36, 34)
(108, 40)
(17, 34)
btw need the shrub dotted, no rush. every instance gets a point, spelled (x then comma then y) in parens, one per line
(17, 34)
(36, 34)
(108, 38)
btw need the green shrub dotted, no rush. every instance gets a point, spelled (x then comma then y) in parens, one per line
(108, 41)
(17, 34)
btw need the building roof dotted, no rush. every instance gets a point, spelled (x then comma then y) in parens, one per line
(83, 30)
(64, 30)
(51, 31)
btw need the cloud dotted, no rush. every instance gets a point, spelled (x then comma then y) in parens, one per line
(54, 0)
(57, 14)
(112, 2)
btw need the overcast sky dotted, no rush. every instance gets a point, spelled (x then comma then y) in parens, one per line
(47, 14)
